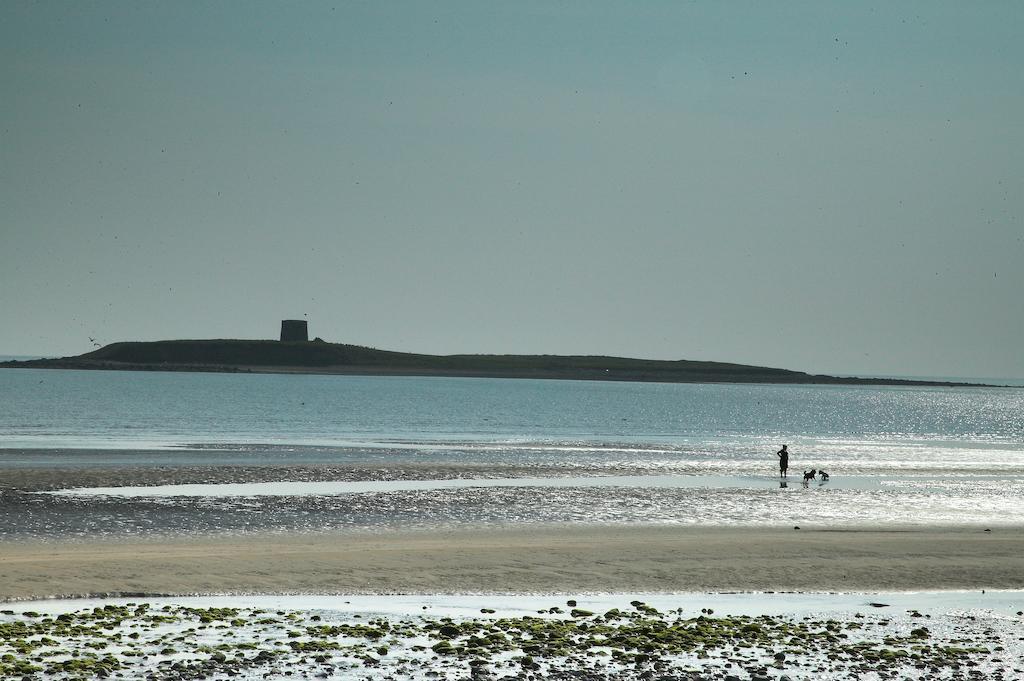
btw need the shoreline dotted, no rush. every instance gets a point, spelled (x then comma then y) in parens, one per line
(524, 559)
(538, 373)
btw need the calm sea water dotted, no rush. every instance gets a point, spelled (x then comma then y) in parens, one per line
(894, 453)
(486, 419)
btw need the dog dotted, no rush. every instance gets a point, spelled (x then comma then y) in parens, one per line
(809, 475)
(824, 476)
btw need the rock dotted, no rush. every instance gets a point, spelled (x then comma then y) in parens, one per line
(780, 657)
(448, 631)
(478, 670)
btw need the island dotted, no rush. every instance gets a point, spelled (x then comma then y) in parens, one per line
(321, 357)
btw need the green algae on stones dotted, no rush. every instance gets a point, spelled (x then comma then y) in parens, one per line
(182, 642)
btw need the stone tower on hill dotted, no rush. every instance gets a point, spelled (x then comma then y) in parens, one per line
(294, 330)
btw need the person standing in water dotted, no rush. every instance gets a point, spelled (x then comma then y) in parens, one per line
(783, 455)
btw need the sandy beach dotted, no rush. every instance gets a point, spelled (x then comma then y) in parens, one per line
(543, 559)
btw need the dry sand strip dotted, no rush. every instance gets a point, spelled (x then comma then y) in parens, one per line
(560, 559)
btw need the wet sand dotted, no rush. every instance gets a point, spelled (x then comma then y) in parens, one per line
(543, 559)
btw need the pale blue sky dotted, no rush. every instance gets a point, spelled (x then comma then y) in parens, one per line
(831, 187)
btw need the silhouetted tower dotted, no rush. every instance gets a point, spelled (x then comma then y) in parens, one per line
(294, 330)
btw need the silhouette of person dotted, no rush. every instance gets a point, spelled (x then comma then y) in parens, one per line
(783, 455)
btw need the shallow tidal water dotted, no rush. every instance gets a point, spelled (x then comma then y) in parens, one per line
(378, 504)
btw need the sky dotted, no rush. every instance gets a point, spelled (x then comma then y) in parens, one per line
(831, 187)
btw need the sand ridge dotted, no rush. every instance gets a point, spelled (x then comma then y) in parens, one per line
(540, 559)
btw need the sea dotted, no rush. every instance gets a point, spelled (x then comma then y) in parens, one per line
(106, 453)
